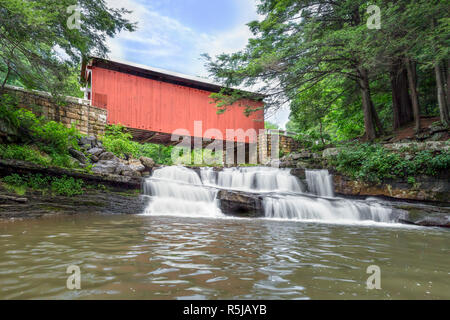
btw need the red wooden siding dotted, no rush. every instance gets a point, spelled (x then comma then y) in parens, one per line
(142, 103)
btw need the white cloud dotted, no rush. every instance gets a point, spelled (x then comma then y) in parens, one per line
(161, 41)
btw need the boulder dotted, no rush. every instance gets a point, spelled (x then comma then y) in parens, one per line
(131, 173)
(437, 221)
(136, 165)
(78, 155)
(88, 141)
(330, 152)
(299, 173)
(107, 156)
(147, 162)
(105, 167)
(240, 204)
(301, 155)
(95, 151)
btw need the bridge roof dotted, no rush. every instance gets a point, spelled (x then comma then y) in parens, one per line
(159, 74)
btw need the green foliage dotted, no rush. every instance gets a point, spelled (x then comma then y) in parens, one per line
(24, 153)
(119, 142)
(36, 139)
(316, 54)
(41, 46)
(65, 186)
(270, 125)
(372, 162)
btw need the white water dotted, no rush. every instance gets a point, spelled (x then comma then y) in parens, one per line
(321, 209)
(179, 191)
(182, 192)
(320, 183)
(253, 179)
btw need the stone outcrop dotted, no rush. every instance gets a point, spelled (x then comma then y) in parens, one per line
(241, 204)
(119, 194)
(20, 167)
(36, 205)
(426, 188)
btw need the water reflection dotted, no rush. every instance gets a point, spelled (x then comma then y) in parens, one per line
(142, 257)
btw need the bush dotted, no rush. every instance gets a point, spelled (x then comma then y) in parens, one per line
(24, 153)
(374, 163)
(119, 142)
(65, 186)
(48, 137)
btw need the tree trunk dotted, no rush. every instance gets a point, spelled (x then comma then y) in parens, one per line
(376, 119)
(448, 86)
(443, 110)
(410, 68)
(401, 101)
(2, 88)
(367, 104)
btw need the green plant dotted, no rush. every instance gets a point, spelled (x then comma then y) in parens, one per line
(372, 162)
(118, 141)
(66, 186)
(24, 153)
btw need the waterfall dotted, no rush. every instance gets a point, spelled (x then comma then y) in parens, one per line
(253, 179)
(330, 210)
(179, 191)
(320, 183)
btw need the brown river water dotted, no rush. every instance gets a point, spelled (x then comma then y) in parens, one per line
(151, 257)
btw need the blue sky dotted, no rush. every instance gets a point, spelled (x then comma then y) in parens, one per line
(172, 34)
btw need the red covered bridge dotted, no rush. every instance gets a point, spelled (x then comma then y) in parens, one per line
(153, 103)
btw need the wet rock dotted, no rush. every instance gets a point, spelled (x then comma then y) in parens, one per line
(78, 155)
(301, 155)
(136, 165)
(95, 151)
(107, 156)
(440, 221)
(105, 167)
(88, 141)
(426, 188)
(240, 204)
(299, 173)
(131, 173)
(147, 162)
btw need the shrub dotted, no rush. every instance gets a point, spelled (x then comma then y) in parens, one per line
(50, 137)
(66, 186)
(374, 163)
(24, 153)
(119, 142)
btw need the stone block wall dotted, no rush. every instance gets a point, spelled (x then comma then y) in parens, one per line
(87, 119)
(286, 144)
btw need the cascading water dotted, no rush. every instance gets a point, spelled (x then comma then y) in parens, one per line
(181, 191)
(320, 183)
(325, 209)
(253, 179)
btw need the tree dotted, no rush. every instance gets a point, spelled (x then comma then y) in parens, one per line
(41, 41)
(298, 45)
(270, 125)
